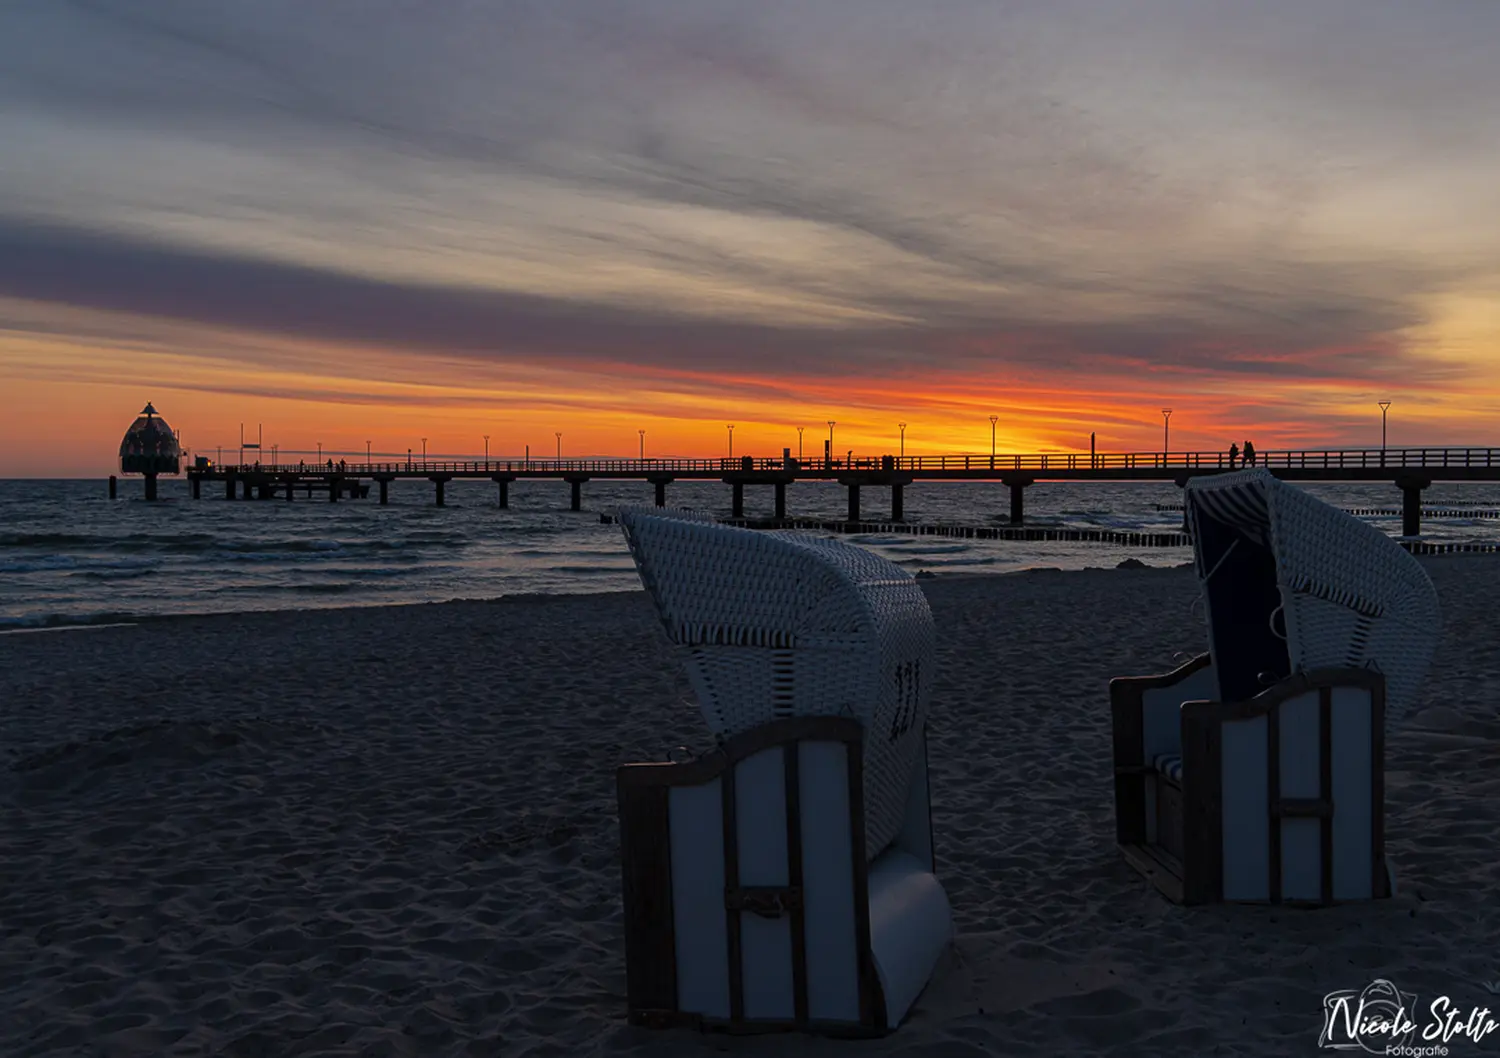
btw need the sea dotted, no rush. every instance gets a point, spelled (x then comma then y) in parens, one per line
(70, 556)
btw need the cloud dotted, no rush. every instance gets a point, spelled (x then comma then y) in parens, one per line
(771, 192)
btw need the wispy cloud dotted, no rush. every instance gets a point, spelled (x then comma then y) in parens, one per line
(774, 195)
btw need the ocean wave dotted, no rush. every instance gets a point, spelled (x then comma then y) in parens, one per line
(19, 622)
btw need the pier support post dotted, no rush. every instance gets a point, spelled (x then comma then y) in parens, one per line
(577, 497)
(229, 488)
(853, 502)
(781, 499)
(1411, 504)
(197, 487)
(247, 491)
(1017, 503)
(291, 487)
(113, 485)
(335, 486)
(898, 512)
(439, 482)
(150, 486)
(661, 484)
(738, 502)
(504, 486)
(385, 491)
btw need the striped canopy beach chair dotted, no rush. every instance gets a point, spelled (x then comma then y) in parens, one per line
(785, 880)
(1255, 772)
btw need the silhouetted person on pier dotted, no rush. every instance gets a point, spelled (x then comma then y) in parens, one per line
(1234, 453)
(1249, 454)
(343, 465)
(330, 464)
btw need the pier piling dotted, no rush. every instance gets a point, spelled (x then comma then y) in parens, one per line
(737, 503)
(897, 511)
(197, 483)
(385, 490)
(661, 484)
(439, 482)
(503, 484)
(335, 486)
(1411, 504)
(113, 487)
(291, 487)
(781, 499)
(1017, 501)
(577, 484)
(853, 502)
(151, 486)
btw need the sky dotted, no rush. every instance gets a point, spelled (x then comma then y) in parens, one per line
(380, 221)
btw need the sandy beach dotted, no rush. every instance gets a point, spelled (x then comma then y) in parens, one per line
(392, 831)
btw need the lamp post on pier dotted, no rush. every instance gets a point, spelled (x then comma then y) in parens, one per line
(320, 451)
(424, 451)
(799, 444)
(1166, 436)
(643, 444)
(486, 451)
(993, 419)
(558, 434)
(1385, 406)
(367, 451)
(731, 439)
(903, 439)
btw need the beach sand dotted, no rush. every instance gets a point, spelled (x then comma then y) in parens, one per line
(393, 831)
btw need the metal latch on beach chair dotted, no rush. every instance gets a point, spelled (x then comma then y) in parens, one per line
(767, 901)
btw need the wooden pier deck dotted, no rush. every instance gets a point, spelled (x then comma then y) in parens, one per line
(1411, 470)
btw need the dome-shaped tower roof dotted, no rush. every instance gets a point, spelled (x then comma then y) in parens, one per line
(150, 446)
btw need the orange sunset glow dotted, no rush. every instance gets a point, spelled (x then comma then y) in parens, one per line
(581, 224)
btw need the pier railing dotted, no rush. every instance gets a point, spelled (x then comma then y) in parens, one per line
(1310, 459)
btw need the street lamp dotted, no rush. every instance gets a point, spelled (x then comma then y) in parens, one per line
(731, 439)
(367, 451)
(486, 451)
(643, 443)
(993, 419)
(831, 425)
(320, 451)
(559, 443)
(1385, 406)
(424, 451)
(903, 439)
(1166, 435)
(799, 444)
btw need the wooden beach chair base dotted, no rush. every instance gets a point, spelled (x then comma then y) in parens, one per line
(749, 903)
(1278, 799)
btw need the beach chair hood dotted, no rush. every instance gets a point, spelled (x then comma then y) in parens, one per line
(1291, 584)
(779, 624)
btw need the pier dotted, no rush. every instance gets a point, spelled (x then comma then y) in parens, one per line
(1410, 470)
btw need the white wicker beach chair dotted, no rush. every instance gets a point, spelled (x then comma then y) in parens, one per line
(785, 880)
(1255, 772)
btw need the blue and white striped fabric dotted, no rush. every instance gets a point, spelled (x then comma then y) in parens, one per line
(1169, 765)
(1242, 505)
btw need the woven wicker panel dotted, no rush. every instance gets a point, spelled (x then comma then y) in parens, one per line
(1351, 594)
(786, 624)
